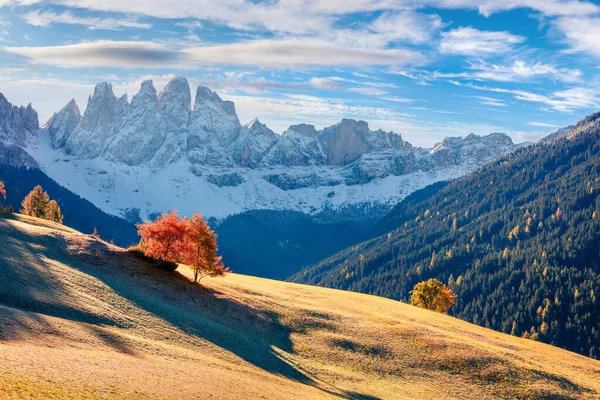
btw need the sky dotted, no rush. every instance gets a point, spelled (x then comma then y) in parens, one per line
(423, 68)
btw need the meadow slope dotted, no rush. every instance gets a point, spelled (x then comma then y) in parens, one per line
(82, 319)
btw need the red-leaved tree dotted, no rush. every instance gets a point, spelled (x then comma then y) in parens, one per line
(165, 238)
(181, 240)
(202, 249)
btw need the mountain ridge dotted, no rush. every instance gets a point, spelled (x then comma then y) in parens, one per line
(209, 162)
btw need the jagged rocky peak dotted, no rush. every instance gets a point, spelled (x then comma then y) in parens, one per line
(345, 141)
(146, 97)
(99, 114)
(141, 131)
(473, 148)
(213, 127)
(303, 129)
(62, 124)
(253, 143)
(349, 139)
(204, 95)
(17, 123)
(176, 96)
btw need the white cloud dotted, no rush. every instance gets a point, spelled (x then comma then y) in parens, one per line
(103, 53)
(368, 91)
(490, 101)
(542, 125)
(47, 18)
(473, 42)
(518, 71)
(324, 83)
(566, 101)
(397, 99)
(260, 53)
(582, 34)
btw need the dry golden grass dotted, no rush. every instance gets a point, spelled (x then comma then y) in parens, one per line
(81, 319)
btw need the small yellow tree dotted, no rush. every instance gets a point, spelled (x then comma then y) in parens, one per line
(432, 295)
(38, 204)
(2, 189)
(53, 212)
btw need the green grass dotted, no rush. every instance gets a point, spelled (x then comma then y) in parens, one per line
(82, 319)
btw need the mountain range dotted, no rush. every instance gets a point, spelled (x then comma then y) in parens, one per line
(118, 152)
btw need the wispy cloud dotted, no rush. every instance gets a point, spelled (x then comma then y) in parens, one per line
(542, 125)
(368, 91)
(491, 101)
(473, 42)
(567, 101)
(47, 18)
(581, 34)
(518, 71)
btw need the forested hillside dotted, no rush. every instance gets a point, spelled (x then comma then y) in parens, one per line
(518, 241)
(78, 213)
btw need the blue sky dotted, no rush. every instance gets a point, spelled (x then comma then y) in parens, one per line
(425, 69)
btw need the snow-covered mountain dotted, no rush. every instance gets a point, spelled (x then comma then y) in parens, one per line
(158, 153)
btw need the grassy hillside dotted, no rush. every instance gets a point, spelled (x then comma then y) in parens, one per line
(518, 241)
(80, 318)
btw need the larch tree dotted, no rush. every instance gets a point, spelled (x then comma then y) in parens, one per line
(38, 204)
(202, 250)
(53, 212)
(2, 189)
(432, 295)
(35, 203)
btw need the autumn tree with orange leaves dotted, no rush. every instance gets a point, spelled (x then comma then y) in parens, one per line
(165, 238)
(201, 249)
(180, 240)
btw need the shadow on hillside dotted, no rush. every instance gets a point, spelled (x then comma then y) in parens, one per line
(28, 283)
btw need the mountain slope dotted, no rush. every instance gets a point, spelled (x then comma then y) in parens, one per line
(83, 319)
(518, 241)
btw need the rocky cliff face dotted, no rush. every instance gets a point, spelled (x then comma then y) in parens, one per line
(63, 123)
(17, 124)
